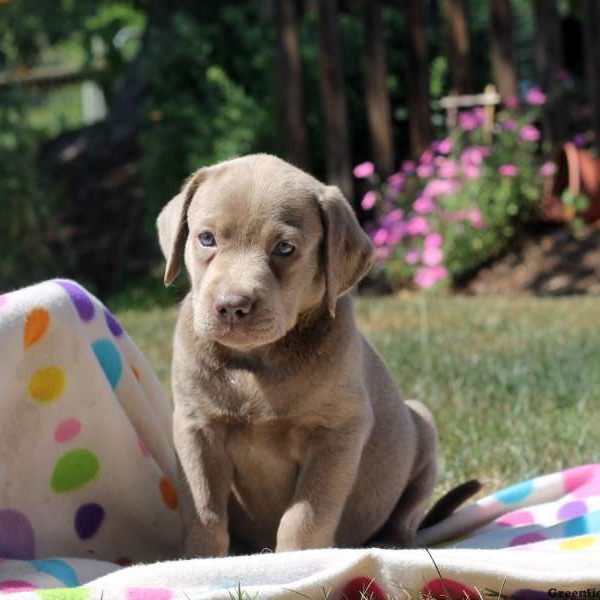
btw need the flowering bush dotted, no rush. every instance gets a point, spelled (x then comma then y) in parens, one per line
(457, 207)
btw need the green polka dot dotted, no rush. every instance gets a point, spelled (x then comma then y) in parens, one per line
(79, 593)
(73, 470)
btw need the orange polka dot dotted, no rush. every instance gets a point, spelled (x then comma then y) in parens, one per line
(36, 325)
(136, 373)
(169, 494)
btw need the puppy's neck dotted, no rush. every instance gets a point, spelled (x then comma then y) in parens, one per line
(305, 343)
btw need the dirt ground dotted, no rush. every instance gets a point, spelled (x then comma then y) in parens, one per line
(548, 261)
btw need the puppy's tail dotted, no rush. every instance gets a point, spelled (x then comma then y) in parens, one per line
(449, 502)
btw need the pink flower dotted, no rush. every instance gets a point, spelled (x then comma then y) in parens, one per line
(512, 102)
(427, 157)
(412, 256)
(433, 240)
(425, 171)
(445, 146)
(369, 200)
(547, 169)
(364, 170)
(428, 276)
(417, 226)
(380, 237)
(508, 170)
(383, 253)
(447, 168)
(440, 187)
(396, 181)
(471, 159)
(432, 256)
(530, 133)
(424, 205)
(394, 216)
(535, 97)
(408, 166)
(476, 218)
(509, 124)
(471, 171)
(467, 121)
(396, 232)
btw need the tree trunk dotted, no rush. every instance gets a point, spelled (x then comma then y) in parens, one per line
(549, 60)
(502, 48)
(291, 94)
(377, 97)
(591, 30)
(459, 43)
(333, 95)
(417, 75)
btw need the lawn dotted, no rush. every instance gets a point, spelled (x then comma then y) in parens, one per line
(514, 383)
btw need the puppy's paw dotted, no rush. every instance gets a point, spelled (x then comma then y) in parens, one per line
(201, 542)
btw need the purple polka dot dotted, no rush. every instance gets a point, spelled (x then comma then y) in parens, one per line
(80, 299)
(571, 510)
(113, 324)
(88, 519)
(16, 536)
(527, 538)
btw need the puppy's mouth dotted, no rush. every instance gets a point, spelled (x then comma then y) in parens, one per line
(245, 334)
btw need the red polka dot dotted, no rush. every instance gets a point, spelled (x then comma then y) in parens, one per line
(527, 538)
(67, 430)
(448, 589)
(169, 494)
(362, 587)
(514, 519)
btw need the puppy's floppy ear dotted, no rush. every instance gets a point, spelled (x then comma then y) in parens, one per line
(348, 250)
(172, 225)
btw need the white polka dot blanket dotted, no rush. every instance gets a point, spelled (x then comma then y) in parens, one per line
(86, 465)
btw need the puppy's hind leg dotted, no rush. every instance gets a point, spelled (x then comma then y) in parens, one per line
(401, 527)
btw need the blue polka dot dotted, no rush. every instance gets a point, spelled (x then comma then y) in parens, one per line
(515, 493)
(110, 360)
(58, 569)
(584, 524)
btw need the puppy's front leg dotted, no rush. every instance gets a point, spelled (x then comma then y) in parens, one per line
(208, 473)
(323, 486)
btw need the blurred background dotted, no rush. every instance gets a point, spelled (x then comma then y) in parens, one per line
(461, 130)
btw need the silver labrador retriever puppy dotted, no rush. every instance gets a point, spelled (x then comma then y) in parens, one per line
(289, 429)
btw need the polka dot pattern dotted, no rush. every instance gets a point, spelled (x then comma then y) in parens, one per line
(3, 300)
(113, 325)
(73, 470)
(579, 543)
(571, 510)
(58, 569)
(67, 430)
(79, 593)
(17, 539)
(148, 594)
(88, 520)
(47, 384)
(168, 493)
(527, 538)
(516, 519)
(37, 322)
(80, 299)
(110, 360)
(516, 493)
(13, 586)
(449, 589)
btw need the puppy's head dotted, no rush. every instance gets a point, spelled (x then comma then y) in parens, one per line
(262, 242)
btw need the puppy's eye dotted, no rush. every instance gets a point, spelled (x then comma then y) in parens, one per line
(284, 249)
(207, 239)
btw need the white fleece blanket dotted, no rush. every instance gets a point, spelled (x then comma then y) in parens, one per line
(86, 465)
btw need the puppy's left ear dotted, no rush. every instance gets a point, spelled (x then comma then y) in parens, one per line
(172, 225)
(349, 253)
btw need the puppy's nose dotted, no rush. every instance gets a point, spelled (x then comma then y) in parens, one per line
(232, 307)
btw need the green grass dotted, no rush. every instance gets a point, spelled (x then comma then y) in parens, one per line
(514, 384)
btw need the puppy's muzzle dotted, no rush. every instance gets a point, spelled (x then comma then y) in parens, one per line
(231, 307)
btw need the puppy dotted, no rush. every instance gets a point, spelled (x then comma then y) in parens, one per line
(289, 429)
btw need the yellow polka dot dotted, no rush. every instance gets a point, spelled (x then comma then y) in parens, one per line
(36, 325)
(579, 543)
(47, 384)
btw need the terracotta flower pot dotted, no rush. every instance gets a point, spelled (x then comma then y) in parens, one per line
(579, 171)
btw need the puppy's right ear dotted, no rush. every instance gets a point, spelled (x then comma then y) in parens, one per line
(172, 225)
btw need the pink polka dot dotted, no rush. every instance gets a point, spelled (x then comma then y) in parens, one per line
(149, 594)
(527, 538)
(10, 586)
(583, 481)
(143, 448)
(514, 519)
(3, 300)
(67, 430)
